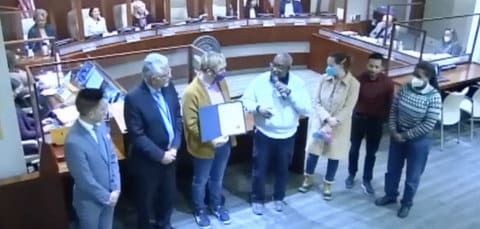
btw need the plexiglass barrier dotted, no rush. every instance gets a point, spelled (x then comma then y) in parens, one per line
(55, 85)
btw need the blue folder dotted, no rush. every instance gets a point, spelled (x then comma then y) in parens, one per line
(209, 123)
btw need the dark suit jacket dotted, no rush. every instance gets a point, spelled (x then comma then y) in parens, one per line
(147, 134)
(26, 125)
(136, 21)
(35, 33)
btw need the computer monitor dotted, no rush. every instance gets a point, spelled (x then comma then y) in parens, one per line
(92, 76)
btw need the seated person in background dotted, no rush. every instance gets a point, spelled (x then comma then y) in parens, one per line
(231, 11)
(95, 24)
(26, 123)
(252, 9)
(141, 16)
(21, 90)
(288, 8)
(380, 30)
(16, 73)
(40, 30)
(450, 43)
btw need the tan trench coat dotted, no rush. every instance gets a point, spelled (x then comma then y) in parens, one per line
(334, 98)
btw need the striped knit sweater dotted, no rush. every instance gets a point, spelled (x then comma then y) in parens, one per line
(414, 113)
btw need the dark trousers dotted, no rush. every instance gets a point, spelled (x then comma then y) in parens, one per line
(415, 153)
(278, 152)
(155, 189)
(332, 166)
(369, 128)
(208, 173)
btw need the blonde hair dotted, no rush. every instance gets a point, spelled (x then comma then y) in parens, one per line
(212, 60)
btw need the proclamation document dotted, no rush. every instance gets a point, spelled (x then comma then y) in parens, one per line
(231, 118)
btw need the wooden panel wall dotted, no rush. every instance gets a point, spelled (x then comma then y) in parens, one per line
(12, 3)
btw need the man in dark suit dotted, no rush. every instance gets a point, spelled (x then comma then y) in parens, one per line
(93, 163)
(154, 123)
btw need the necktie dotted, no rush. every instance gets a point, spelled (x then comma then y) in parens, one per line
(100, 141)
(165, 112)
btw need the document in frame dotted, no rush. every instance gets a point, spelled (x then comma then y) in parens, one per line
(231, 118)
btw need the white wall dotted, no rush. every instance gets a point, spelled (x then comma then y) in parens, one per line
(400, 11)
(12, 162)
(357, 7)
(442, 8)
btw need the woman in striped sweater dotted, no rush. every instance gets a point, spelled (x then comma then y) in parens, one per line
(413, 115)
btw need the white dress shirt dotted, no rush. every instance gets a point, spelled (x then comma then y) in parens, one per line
(214, 92)
(289, 10)
(95, 27)
(89, 127)
(253, 14)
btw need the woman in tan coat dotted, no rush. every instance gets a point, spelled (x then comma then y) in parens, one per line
(330, 122)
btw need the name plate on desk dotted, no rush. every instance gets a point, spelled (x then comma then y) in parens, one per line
(300, 22)
(327, 21)
(234, 25)
(167, 32)
(132, 38)
(206, 27)
(268, 23)
(88, 47)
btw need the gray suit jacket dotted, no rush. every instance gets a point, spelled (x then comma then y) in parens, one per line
(94, 175)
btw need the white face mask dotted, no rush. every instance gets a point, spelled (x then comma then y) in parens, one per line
(447, 39)
(417, 83)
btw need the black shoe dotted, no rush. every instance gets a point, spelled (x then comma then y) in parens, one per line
(349, 182)
(367, 188)
(403, 212)
(385, 201)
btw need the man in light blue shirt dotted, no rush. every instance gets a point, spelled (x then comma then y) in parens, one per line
(277, 99)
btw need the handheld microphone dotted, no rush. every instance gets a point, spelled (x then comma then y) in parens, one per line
(274, 79)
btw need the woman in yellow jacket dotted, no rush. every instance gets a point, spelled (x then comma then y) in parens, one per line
(331, 120)
(209, 158)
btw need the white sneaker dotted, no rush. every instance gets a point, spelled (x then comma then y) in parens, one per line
(257, 208)
(279, 205)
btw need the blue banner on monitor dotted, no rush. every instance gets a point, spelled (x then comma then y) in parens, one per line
(91, 76)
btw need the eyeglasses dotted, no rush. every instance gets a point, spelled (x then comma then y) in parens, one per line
(163, 76)
(279, 66)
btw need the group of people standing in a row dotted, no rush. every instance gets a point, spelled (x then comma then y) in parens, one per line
(345, 109)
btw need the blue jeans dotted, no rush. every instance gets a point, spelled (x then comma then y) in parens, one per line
(415, 153)
(332, 167)
(209, 171)
(276, 151)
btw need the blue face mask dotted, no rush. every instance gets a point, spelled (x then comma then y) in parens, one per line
(218, 77)
(331, 71)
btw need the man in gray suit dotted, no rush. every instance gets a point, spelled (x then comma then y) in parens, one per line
(93, 164)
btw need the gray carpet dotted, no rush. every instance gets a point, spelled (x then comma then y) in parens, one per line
(447, 198)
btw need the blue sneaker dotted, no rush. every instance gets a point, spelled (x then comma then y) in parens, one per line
(202, 220)
(222, 214)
